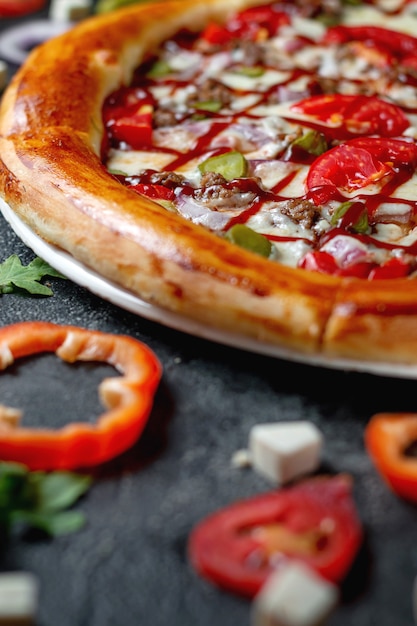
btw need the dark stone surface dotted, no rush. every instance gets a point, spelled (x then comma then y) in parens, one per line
(129, 565)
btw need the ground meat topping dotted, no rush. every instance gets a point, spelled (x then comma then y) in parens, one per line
(212, 178)
(211, 90)
(251, 51)
(329, 8)
(301, 211)
(170, 179)
(164, 116)
(237, 97)
(219, 197)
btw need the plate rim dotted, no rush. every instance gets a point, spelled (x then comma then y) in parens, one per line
(89, 279)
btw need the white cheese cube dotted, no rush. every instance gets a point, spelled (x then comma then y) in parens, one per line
(18, 598)
(3, 75)
(294, 595)
(69, 10)
(285, 450)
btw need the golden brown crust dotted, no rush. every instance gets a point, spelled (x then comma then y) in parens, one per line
(52, 177)
(374, 320)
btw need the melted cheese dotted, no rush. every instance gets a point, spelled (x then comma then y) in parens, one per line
(260, 122)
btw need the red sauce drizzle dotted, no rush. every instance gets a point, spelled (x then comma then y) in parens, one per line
(333, 135)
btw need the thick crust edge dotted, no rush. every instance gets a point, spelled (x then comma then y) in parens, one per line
(52, 177)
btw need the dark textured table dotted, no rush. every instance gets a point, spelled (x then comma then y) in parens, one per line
(128, 566)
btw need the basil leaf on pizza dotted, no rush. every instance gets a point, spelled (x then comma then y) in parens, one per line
(248, 165)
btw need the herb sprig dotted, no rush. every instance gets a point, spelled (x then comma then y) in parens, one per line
(35, 499)
(15, 277)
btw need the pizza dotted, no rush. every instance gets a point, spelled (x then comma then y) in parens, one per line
(248, 166)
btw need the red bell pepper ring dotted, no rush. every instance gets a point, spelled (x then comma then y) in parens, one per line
(388, 437)
(128, 398)
(314, 521)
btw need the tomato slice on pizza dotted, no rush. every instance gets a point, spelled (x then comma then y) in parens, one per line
(309, 167)
(355, 114)
(249, 167)
(356, 164)
(400, 44)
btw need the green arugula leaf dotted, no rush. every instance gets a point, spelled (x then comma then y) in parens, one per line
(53, 524)
(58, 490)
(39, 499)
(15, 276)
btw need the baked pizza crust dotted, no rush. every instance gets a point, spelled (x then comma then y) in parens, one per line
(52, 177)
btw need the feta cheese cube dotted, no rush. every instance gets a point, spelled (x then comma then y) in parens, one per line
(283, 451)
(69, 10)
(294, 595)
(18, 598)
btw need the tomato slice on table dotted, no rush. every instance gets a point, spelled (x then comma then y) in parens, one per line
(314, 521)
(355, 115)
(357, 163)
(389, 439)
(15, 8)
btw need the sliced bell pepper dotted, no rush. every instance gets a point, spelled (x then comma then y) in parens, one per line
(389, 438)
(351, 215)
(229, 164)
(135, 129)
(324, 263)
(154, 191)
(307, 147)
(216, 35)
(245, 237)
(393, 268)
(128, 398)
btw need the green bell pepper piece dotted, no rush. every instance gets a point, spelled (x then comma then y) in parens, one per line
(230, 165)
(312, 142)
(245, 237)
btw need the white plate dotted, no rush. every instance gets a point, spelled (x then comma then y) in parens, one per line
(111, 292)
